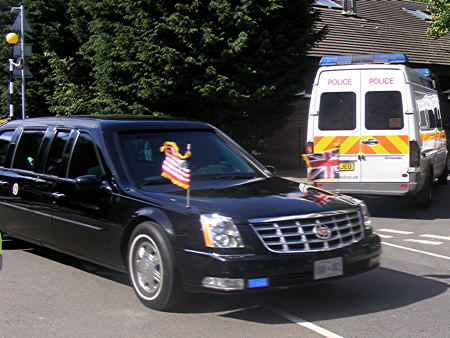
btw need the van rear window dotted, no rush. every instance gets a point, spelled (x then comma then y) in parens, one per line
(384, 110)
(337, 111)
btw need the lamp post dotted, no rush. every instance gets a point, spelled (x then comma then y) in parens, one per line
(11, 39)
(19, 10)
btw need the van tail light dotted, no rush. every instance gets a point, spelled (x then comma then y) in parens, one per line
(310, 147)
(414, 154)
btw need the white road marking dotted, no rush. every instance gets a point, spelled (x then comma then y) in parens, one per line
(418, 251)
(385, 236)
(422, 241)
(396, 231)
(304, 323)
(445, 238)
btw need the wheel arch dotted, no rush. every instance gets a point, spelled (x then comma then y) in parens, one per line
(145, 215)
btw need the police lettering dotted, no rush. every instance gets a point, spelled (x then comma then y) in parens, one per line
(381, 81)
(340, 82)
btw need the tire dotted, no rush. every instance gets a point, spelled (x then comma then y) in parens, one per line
(152, 269)
(444, 177)
(425, 196)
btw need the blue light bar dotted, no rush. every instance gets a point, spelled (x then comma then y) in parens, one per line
(423, 71)
(336, 60)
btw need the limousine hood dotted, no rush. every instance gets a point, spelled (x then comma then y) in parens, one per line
(257, 199)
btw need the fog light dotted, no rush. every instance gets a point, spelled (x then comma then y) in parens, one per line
(226, 284)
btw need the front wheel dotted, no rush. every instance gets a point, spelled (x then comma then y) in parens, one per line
(152, 269)
(425, 196)
(444, 177)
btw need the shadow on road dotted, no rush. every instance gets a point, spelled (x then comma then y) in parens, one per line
(404, 207)
(375, 291)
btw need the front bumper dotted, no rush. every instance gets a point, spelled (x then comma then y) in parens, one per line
(280, 270)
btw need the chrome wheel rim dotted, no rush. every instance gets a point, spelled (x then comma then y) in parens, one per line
(147, 267)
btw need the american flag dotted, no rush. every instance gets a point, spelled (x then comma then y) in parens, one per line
(175, 166)
(323, 166)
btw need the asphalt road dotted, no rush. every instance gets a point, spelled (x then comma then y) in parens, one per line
(46, 294)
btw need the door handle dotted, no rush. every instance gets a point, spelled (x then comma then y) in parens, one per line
(2, 183)
(370, 141)
(58, 195)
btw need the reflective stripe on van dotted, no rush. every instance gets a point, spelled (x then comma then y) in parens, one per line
(393, 144)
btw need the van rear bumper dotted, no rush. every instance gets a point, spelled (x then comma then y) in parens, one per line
(372, 188)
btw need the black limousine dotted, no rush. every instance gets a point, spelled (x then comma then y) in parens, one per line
(93, 188)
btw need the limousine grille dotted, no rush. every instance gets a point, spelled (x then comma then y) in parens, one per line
(311, 232)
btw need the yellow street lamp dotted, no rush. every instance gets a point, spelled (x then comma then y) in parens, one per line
(12, 38)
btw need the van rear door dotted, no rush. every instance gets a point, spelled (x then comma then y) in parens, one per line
(384, 128)
(337, 120)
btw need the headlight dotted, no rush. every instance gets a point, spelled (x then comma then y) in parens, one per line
(220, 232)
(365, 214)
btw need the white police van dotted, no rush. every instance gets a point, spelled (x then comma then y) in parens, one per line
(386, 119)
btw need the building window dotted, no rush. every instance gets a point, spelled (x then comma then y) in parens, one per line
(327, 3)
(417, 12)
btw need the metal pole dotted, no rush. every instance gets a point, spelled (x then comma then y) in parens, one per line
(22, 44)
(11, 85)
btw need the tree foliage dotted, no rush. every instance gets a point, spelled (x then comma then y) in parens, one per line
(440, 23)
(234, 63)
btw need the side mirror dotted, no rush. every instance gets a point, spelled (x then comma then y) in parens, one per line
(87, 182)
(271, 169)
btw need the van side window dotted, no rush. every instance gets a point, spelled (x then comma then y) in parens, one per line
(84, 159)
(5, 140)
(337, 111)
(384, 110)
(437, 113)
(432, 119)
(28, 149)
(55, 155)
(423, 120)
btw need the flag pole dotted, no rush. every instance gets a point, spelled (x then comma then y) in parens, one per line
(188, 190)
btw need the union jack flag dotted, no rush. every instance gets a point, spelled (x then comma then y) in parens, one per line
(317, 197)
(175, 166)
(323, 166)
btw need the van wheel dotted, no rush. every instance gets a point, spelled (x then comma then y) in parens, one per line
(152, 269)
(425, 196)
(444, 177)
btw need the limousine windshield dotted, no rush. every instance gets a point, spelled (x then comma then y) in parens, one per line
(212, 159)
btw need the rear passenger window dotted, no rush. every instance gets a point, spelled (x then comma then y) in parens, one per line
(384, 110)
(5, 140)
(28, 149)
(55, 155)
(337, 111)
(84, 159)
(432, 118)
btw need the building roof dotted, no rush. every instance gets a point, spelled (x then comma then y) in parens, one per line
(381, 26)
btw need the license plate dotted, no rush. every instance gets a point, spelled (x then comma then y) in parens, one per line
(327, 268)
(346, 166)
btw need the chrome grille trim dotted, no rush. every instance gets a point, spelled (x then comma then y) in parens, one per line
(293, 234)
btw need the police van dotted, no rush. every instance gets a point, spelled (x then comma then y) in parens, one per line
(386, 120)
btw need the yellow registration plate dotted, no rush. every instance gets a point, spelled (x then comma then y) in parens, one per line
(346, 166)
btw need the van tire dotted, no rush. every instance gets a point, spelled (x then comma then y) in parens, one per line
(152, 269)
(425, 196)
(443, 179)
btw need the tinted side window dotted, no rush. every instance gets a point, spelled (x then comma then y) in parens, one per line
(84, 159)
(337, 111)
(28, 149)
(5, 140)
(384, 110)
(432, 118)
(55, 155)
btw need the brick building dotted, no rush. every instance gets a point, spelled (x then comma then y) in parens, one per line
(362, 27)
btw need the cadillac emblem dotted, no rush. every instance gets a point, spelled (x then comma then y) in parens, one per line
(322, 231)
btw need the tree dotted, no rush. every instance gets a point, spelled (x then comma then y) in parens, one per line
(234, 63)
(440, 23)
